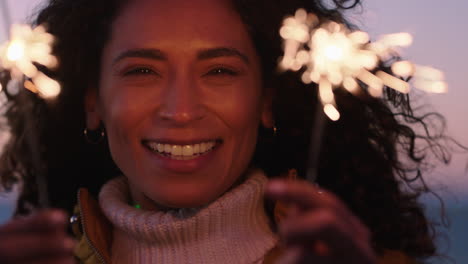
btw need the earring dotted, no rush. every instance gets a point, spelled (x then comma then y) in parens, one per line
(275, 131)
(94, 137)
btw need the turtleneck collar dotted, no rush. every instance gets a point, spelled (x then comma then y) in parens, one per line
(232, 229)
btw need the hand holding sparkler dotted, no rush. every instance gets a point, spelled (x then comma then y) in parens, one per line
(27, 48)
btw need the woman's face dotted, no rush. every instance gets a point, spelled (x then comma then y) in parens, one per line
(181, 99)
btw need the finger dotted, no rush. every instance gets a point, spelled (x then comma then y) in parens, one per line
(301, 193)
(321, 222)
(25, 247)
(309, 197)
(301, 255)
(41, 221)
(337, 236)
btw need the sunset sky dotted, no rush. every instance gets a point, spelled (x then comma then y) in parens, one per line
(440, 40)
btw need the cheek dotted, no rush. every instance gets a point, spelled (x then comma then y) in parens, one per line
(242, 115)
(240, 105)
(123, 115)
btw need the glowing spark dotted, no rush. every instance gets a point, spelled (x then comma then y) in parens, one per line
(397, 39)
(393, 82)
(351, 85)
(47, 87)
(403, 68)
(334, 52)
(26, 48)
(331, 112)
(332, 56)
(326, 92)
(15, 51)
(30, 86)
(428, 73)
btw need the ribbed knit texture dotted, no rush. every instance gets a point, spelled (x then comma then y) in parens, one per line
(232, 229)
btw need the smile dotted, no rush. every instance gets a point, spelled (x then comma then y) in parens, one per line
(181, 152)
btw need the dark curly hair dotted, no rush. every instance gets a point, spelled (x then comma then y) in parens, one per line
(370, 158)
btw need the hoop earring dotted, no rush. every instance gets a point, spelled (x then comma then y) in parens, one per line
(94, 137)
(275, 131)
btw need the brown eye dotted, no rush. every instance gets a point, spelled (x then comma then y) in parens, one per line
(222, 71)
(139, 71)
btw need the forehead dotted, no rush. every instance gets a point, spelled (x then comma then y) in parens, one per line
(180, 23)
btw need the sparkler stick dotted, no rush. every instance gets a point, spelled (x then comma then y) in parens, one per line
(334, 57)
(315, 144)
(26, 47)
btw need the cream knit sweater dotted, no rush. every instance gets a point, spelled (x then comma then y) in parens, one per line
(232, 229)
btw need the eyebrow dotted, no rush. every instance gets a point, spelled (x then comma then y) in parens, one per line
(153, 54)
(222, 52)
(206, 54)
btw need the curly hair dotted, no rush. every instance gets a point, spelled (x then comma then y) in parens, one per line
(368, 159)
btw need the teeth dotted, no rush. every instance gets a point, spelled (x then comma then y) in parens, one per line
(160, 147)
(181, 150)
(187, 150)
(202, 147)
(176, 150)
(167, 148)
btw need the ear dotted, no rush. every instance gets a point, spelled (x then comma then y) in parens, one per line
(93, 118)
(267, 111)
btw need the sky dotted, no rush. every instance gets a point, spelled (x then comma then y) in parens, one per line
(441, 41)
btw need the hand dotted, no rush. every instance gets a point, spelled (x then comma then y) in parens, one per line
(36, 239)
(318, 227)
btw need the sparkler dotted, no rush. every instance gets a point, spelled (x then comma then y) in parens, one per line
(333, 56)
(19, 57)
(26, 48)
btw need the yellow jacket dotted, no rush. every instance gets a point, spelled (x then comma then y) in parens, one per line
(94, 234)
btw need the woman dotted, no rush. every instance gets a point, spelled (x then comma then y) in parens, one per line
(180, 102)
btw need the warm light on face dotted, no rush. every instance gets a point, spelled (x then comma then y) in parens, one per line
(183, 130)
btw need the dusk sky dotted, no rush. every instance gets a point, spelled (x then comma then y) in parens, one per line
(440, 40)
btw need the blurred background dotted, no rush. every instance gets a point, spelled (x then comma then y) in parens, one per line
(440, 41)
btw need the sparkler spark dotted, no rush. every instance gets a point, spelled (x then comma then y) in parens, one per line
(333, 56)
(27, 47)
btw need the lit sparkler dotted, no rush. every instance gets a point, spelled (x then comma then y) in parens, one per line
(333, 56)
(26, 48)
(29, 47)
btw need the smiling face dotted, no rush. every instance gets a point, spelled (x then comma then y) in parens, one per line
(181, 99)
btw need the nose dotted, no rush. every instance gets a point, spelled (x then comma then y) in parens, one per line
(181, 103)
